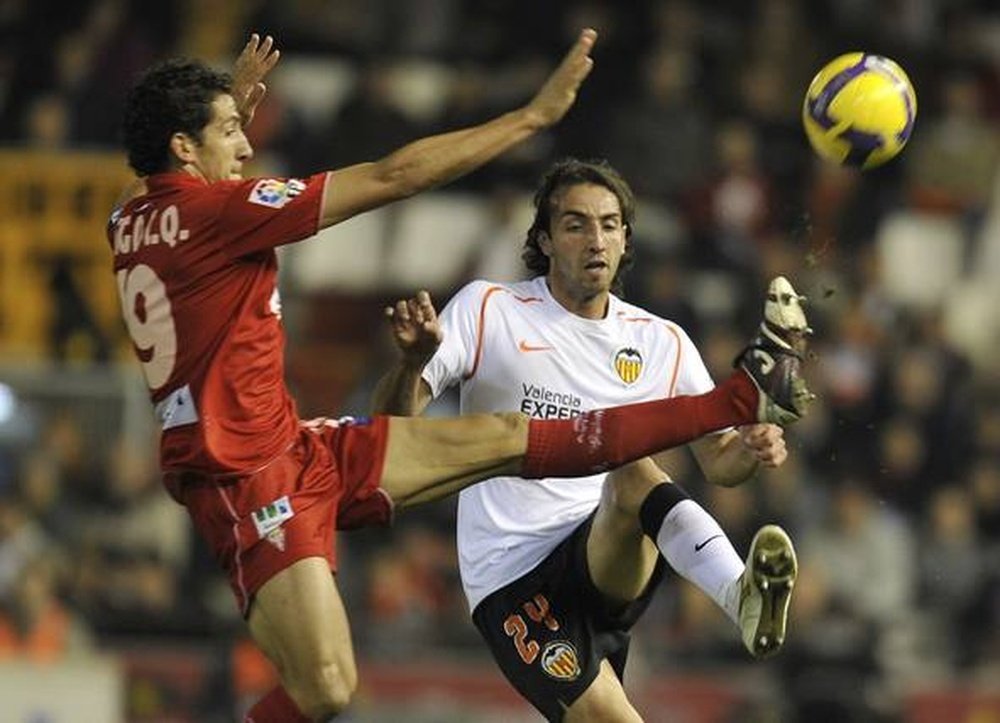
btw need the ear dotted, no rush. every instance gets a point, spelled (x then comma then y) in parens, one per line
(545, 243)
(183, 147)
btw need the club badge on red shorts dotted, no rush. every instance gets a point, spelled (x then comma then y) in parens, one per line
(269, 519)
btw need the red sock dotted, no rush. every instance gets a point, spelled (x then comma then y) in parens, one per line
(275, 707)
(607, 438)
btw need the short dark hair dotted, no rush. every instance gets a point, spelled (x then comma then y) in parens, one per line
(564, 174)
(172, 96)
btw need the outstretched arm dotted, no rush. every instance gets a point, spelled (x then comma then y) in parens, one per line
(436, 160)
(402, 391)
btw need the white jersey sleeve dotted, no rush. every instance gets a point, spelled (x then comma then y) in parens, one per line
(692, 374)
(455, 358)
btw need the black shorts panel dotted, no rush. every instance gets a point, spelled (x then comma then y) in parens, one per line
(549, 629)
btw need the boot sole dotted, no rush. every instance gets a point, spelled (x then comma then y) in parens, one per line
(774, 570)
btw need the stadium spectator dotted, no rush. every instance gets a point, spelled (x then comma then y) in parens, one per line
(35, 624)
(663, 119)
(133, 551)
(953, 574)
(733, 211)
(22, 540)
(864, 540)
(955, 159)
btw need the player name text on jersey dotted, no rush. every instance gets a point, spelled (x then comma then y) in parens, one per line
(135, 230)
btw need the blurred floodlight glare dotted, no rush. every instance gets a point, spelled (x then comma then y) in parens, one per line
(8, 403)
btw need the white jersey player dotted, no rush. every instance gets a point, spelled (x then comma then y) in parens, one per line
(514, 347)
(557, 571)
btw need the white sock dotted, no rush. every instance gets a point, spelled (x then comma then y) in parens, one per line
(696, 547)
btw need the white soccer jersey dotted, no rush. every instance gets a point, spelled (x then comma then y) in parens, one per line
(512, 347)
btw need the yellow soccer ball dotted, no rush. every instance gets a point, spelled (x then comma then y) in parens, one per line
(859, 110)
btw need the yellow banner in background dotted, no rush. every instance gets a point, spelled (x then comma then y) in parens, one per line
(57, 294)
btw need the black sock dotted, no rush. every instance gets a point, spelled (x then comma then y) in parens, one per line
(660, 500)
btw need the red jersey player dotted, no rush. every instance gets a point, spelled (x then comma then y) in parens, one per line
(196, 270)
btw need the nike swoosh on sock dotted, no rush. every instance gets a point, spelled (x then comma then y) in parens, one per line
(697, 548)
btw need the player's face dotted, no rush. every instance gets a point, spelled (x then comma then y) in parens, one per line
(224, 148)
(585, 244)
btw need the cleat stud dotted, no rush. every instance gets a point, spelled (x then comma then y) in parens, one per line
(764, 585)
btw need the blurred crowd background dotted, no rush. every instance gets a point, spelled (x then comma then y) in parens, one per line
(892, 490)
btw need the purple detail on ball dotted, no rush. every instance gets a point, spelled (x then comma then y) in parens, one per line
(862, 145)
(887, 67)
(820, 105)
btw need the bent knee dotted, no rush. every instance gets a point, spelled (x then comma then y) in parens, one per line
(626, 488)
(327, 691)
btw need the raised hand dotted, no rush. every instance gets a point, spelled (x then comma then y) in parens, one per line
(254, 62)
(559, 92)
(415, 328)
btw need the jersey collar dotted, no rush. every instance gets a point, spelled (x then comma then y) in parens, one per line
(174, 179)
(568, 316)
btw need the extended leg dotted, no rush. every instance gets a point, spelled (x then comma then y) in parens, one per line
(430, 458)
(427, 459)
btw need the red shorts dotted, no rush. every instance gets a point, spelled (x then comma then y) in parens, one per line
(259, 524)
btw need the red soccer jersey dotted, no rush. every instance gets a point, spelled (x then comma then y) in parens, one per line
(197, 274)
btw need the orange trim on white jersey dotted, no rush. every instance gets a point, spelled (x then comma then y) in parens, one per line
(481, 324)
(677, 362)
(672, 387)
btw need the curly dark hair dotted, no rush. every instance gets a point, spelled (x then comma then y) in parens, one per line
(172, 96)
(564, 174)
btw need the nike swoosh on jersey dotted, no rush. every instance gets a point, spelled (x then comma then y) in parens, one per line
(525, 346)
(697, 547)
